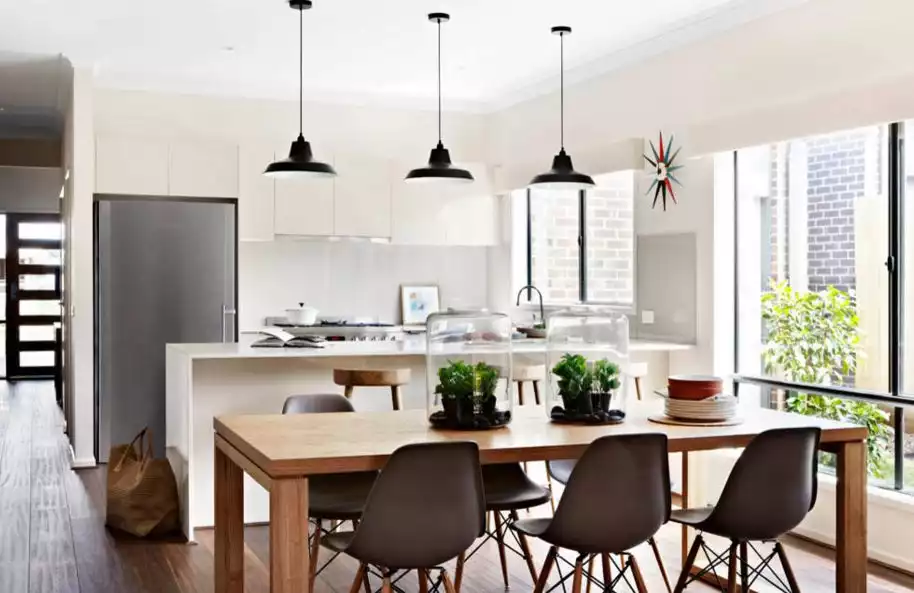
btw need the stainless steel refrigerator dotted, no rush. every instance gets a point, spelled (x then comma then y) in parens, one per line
(165, 272)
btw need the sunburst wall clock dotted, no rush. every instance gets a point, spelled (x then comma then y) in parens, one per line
(664, 163)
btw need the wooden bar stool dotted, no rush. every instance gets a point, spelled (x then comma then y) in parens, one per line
(393, 378)
(637, 371)
(529, 373)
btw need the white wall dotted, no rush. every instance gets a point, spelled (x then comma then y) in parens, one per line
(348, 278)
(30, 189)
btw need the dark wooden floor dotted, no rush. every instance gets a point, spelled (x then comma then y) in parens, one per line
(53, 539)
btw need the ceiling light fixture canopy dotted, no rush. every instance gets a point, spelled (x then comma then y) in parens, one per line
(439, 168)
(562, 174)
(300, 162)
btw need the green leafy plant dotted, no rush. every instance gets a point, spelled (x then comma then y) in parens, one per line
(456, 380)
(606, 376)
(575, 379)
(813, 338)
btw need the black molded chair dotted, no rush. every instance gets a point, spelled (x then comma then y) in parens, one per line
(508, 490)
(560, 471)
(771, 489)
(333, 497)
(616, 498)
(426, 508)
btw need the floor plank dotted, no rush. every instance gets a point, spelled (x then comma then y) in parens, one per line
(53, 536)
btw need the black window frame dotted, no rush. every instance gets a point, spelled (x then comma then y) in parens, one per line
(895, 395)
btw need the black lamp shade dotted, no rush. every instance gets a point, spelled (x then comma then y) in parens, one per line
(299, 164)
(439, 169)
(562, 175)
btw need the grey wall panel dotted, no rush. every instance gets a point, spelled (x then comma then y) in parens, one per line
(667, 285)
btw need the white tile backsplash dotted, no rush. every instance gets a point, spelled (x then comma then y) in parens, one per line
(352, 278)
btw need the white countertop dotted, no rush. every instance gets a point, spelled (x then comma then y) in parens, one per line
(412, 346)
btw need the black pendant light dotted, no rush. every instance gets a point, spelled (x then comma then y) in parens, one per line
(562, 174)
(439, 168)
(300, 163)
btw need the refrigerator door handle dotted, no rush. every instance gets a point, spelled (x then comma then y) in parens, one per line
(228, 330)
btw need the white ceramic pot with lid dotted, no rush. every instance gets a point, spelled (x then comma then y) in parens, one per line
(302, 315)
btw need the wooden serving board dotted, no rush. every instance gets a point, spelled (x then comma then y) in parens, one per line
(662, 419)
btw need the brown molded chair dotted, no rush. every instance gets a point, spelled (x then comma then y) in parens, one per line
(771, 489)
(617, 497)
(426, 508)
(333, 497)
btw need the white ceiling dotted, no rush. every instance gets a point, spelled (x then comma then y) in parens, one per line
(495, 51)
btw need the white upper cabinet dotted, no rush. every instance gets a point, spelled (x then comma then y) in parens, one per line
(362, 197)
(418, 214)
(131, 165)
(255, 192)
(203, 169)
(447, 214)
(304, 207)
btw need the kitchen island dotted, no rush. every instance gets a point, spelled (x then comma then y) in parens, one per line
(208, 380)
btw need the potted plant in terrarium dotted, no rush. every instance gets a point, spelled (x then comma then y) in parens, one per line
(586, 390)
(468, 397)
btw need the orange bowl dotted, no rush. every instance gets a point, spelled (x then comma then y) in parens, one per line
(695, 387)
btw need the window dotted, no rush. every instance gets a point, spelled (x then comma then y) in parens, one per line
(820, 289)
(580, 245)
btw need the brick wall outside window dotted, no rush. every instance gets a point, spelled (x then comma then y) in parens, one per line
(555, 221)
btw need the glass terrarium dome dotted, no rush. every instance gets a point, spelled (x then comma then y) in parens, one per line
(586, 353)
(468, 370)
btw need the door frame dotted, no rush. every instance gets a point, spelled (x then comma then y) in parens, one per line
(15, 346)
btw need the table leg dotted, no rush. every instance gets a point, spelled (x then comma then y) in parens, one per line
(684, 493)
(289, 562)
(851, 518)
(229, 525)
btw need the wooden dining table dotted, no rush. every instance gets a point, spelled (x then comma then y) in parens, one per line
(281, 452)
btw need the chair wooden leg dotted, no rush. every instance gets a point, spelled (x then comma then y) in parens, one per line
(731, 574)
(744, 567)
(638, 387)
(360, 576)
(788, 570)
(687, 567)
(458, 572)
(520, 393)
(536, 392)
(386, 586)
(578, 576)
(315, 550)
(590, 572)
(395, 397)
(547, 570)
(525, 548)
(500, 538)
(666, 579)
(347, 391)
(636, 571)
(607, 572)
(551, 491)
(448, 585)
(422, 575)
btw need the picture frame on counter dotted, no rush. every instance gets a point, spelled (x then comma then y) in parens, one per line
(417, 302)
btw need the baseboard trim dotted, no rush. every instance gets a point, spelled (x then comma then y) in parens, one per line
(83, 463)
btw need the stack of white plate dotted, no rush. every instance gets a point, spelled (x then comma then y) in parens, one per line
(713, 409)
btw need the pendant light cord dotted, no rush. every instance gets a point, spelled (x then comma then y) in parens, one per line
(301, 69)
(439, 81)
(562, 91)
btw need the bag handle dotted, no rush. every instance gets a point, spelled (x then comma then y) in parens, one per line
(139, 437)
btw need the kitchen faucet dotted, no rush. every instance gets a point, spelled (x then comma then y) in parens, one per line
(528, 288)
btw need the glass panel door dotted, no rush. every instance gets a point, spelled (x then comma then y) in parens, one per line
(33, 295)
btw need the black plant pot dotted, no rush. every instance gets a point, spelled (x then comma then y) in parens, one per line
(466, 414)
(488, 406)
(569, 403)
(602, 401)
(450, 407)
(584, 405)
